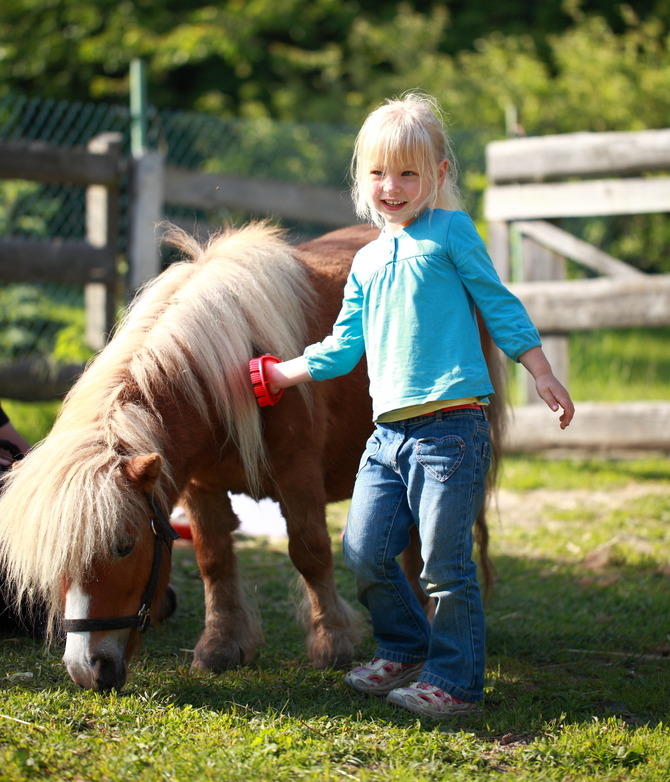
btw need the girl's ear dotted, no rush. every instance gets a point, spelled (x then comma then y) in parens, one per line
(442, 167)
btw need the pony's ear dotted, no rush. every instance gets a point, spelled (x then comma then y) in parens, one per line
(144, 470)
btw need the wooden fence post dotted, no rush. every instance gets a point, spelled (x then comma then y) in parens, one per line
(147, 193)
(498, 245)
(102, 230)
(539, 264)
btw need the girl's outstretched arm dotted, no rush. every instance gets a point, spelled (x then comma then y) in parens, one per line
(287, 374)
(547, 386)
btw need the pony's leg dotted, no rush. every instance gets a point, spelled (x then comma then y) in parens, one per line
(332, 626)
(232, 628)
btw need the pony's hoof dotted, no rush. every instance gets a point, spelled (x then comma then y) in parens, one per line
(219, 658)
(328, 655)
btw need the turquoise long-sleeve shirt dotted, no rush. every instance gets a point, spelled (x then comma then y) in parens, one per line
(409, 305)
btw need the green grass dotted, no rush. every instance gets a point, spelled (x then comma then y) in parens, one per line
(522, 473)
(32, 419)
(578, 645)
(623, 365)
(578, 654)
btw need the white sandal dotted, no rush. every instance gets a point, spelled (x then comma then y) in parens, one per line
(429, 701)
(380, 676)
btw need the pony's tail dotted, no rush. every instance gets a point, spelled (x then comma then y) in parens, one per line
(497, 415)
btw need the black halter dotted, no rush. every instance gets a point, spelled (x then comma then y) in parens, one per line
(163, 534)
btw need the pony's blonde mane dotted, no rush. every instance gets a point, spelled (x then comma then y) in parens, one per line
(194, 328)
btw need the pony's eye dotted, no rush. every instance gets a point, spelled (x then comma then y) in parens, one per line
(123, 547)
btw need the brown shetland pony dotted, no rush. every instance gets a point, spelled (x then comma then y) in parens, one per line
(165, 414)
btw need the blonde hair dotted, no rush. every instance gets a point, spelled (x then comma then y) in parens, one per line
(188, 335)
(403, 130)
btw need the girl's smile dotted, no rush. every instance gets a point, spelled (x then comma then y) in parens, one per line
(400, 193)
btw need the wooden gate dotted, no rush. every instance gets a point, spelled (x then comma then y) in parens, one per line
(536, 180)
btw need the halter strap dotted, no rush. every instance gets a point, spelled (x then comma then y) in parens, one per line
(163, 534)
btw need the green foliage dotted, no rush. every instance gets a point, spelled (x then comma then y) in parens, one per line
(23, 313)
(514, 68)
(32, 419)
(13, 217)
(330, 61)
(38, 320)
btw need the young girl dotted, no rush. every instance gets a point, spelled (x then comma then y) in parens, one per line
(409, 305)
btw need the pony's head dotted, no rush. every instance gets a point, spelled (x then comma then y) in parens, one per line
(102, 579)
(110, 595)
(83, 517)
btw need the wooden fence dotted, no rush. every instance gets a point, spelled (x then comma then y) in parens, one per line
(91, 262)
(535, 180)
(163, 185)
(526, 192)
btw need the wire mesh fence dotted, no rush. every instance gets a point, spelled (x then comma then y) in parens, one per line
(47, 320)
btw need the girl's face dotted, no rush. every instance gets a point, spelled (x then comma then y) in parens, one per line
(399, 193)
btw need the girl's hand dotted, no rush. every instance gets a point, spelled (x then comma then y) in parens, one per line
(556, 396)
(269, 377)
(546, 384)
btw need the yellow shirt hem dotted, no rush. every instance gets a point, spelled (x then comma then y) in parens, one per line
(427, 407)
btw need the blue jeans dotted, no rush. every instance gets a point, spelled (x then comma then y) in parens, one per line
(427, 471)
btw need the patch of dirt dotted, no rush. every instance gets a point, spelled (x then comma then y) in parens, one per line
(522, 508)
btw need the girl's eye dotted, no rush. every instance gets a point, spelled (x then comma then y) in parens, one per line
(409, 173)
(123, 547)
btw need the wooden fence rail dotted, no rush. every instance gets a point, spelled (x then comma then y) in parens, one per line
(601, 303)
(525, 194)
(170, 185)
(90, 262)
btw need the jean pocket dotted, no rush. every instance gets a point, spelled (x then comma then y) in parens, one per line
(372, 448)
(440, 457)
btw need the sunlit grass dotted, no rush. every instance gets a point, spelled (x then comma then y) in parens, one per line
(623, 365)
(523, 473)
(576, 678)
(578, 645)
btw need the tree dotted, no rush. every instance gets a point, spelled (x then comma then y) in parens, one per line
(330, 60)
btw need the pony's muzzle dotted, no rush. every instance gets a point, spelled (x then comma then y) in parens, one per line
(91, 668)
(107, 673)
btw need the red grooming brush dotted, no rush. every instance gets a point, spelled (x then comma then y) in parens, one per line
(264, 396)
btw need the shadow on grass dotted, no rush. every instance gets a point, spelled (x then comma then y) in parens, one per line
(563, 644)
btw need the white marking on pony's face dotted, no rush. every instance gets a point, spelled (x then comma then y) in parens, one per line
(76, 644)
(80, 653)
